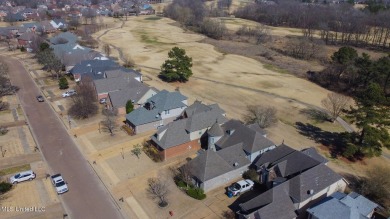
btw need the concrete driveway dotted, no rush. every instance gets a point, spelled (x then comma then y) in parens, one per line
(87, 197)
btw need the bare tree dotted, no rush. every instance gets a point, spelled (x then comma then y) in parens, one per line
(185, 174)
(303, 48)
(158, 189)
(109, 123)
(129, 62)
(84, 103)
(6, 88)
(213, 28)
(107, 49)
(264, 116)
(74, 22)
(334, 104)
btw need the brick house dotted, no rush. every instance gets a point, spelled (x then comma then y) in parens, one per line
(186, 134)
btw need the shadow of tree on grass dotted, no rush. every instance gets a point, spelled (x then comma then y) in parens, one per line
(334, 141)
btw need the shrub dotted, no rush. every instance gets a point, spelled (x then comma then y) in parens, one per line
(251, 174)
(196, 193)
(151, 152)
(129, 106)
(63, 83)
(181, 184)
(5, 187)
(128, 130)
(3, 130)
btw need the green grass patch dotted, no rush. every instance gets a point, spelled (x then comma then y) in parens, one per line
(155, 18)
(196, 193)
(16, 169)
(149, 40)
(275, 69)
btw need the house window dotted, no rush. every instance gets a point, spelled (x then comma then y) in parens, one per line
(200, 132)
(166, 112)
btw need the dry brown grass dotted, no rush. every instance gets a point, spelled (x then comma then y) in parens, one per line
(233, 81)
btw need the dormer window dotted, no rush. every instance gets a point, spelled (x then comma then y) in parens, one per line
(230, 132)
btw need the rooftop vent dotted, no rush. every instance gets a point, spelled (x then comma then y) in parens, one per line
(235, 164)
(310, 192)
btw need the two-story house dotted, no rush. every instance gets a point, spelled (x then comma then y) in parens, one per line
(159, 110)
(186, 134)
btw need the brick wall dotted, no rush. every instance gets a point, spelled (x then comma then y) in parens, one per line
(180, 149)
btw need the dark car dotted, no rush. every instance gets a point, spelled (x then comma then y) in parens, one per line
(40, 98)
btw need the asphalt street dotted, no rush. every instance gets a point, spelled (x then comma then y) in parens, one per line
(87, 196)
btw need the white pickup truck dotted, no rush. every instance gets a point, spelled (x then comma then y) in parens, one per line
(241, 187)
(59, 183)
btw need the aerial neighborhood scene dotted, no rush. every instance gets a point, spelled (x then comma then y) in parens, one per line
(194, 109)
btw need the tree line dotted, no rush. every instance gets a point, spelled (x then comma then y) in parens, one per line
(367, 82)
(196, 16)
(334, 23)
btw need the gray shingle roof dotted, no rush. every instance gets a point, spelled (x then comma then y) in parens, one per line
(205, 119)
(199, 107)
(208, 165)
(317, 178)
(121, 72)
(201, 121)
(115, 84)
(343, 206)
(172, 134)
(163, 100)
(273, 155)
(94, 68)
(234, 155)
(119, 98)
(294, 163)
(215, 130)
(272, 204)
(252, 141)
(295, 190)
(257, 128)
(312, 152)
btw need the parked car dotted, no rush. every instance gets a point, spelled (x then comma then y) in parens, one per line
(22, 176)
(40, 98)
(69, 93)
(59, 183)
(240, 187)
(103, 101)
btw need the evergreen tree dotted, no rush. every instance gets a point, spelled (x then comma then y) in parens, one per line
(63, 83)
(129, 107)
(177, 67)
(371, 116)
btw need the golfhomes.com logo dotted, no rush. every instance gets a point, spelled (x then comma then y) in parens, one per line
(21, 209)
